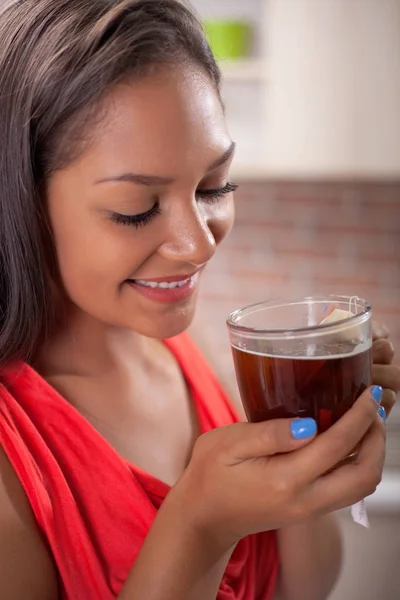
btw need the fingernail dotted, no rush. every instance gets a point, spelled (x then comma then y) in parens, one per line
(303, 428)
(376, 393)
(382, 413)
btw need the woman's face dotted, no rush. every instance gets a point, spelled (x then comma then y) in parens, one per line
(138, 216)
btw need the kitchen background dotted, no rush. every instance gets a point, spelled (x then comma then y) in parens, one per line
(313, 100)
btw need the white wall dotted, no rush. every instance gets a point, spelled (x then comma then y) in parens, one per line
(334, 95)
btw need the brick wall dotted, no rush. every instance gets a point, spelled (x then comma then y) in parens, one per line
(304, 238)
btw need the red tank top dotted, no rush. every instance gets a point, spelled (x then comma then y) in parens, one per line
(94, 507)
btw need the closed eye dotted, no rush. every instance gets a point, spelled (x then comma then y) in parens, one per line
(137, 221)
(216, 194)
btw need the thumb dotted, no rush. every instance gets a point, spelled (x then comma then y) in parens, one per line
(253, 440)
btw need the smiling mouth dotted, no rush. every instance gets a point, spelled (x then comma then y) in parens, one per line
(163, 285)
(169, 290)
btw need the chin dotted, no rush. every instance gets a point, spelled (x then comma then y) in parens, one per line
(166, 325)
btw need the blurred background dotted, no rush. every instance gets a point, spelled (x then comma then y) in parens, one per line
(312, 92)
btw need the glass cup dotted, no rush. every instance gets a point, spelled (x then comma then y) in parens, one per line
(289, 363)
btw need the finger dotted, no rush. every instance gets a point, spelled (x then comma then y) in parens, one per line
(388, 401)
(253, 440)
(351, 483)
(379, 330)
(382, 352)
(387, 376)
(332, 446)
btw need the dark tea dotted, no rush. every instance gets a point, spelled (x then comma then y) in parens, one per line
(323, 387)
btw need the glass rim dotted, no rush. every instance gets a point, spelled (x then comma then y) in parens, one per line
(251, 308)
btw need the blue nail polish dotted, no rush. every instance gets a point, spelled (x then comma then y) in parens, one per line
(377, 393)
(382, 413)
(326, 308)
(303, 428)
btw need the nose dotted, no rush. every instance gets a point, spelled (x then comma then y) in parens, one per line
(191, 239)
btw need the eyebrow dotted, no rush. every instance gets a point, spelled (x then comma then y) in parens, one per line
(223, 159)
(149, 180)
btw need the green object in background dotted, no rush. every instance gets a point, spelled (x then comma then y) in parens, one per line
(228, 39)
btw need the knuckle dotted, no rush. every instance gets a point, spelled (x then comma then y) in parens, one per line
(376, 477)
(370, 479)
(380, 330)
(389, 350)
(396, 378)
(281, 488)
(206, 443)
(273, 434)
(269, 433)
(221, 442)
(383, 435)
(371, 408)
(381, 440)
(338, 444)
(384, 349)
(301, 512)
(369, 490)
(199, 447)
(389, 399)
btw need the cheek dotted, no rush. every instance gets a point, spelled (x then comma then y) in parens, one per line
(221, 220)
(96, 257)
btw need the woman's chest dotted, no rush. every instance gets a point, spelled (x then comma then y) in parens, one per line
(153, 424)
(159, 444)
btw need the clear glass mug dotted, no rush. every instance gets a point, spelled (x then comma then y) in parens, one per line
(289, 364)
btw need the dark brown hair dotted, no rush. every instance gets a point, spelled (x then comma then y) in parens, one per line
(58, 58)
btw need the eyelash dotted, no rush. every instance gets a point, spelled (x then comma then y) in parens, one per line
(137, 221)
(143, 219)
(210, 196)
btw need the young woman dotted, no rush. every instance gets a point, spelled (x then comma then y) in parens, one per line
(116, 477)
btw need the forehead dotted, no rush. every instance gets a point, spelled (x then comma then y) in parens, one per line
(171, 116)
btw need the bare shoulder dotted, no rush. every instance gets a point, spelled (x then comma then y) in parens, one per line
(26, 567)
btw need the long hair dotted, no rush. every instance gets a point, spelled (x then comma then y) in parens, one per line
(58, 59)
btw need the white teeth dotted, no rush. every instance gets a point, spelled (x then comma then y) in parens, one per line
(164, 285)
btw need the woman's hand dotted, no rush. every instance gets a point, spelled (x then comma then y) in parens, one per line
(384, 373)
(246, 478)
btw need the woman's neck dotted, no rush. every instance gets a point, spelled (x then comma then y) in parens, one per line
(84, 346)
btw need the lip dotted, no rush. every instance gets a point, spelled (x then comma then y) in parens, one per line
(167, 296)
(171, 279)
